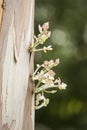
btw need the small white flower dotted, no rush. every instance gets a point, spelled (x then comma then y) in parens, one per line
(46, 102)
(42, 97)
(38, 65)
(62, 86)
(42, 39)
(45, 26)
(45, 49)
(48, 76)
(38, 96)
(57, 61)
(40, 29)
(49, 47)
(49, 34)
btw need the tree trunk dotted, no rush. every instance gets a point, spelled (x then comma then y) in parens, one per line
(16, 65)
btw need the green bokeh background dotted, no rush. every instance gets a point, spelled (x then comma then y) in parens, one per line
(68, 22)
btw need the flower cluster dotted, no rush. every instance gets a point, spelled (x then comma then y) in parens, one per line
(46, 82)
(43, 35)
(44, 76)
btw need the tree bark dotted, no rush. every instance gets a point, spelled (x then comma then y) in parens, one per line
(16, 65)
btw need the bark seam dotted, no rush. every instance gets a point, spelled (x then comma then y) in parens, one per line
(2, 8)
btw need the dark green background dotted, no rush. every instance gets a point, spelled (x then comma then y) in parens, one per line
(68, 22)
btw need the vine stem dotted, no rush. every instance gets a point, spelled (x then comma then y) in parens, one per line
(40, 106)
(43, 88)
(41, 49)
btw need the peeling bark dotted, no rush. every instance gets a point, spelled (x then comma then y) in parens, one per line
(16, 66)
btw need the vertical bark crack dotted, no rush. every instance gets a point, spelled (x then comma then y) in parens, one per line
(2, 7)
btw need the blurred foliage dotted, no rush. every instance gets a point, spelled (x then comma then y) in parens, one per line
(68, 22)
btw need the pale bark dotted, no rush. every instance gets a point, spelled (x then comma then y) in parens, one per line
(16, 66)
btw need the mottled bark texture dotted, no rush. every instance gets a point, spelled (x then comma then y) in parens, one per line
(16, 65)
